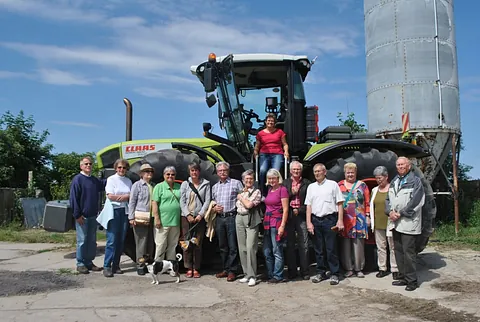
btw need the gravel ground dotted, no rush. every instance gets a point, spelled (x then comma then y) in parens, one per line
(33, 282)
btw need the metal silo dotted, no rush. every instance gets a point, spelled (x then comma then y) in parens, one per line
(411, 63)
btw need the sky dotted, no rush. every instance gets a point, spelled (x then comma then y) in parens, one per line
(70, 63)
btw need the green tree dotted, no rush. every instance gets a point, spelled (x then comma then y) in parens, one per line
(351, 122)
(64, 167)
(23, 149)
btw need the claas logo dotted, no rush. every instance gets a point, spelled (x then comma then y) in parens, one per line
(140, 148)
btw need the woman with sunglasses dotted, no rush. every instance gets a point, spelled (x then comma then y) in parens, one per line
(140, 202)
(118, 193)
(166, 213)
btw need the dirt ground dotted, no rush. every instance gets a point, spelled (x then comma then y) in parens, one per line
(450, 291)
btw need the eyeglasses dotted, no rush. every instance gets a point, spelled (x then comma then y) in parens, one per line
(222, 170)
(87, 163)
(120, 167)
(170, 174)
(148, 171)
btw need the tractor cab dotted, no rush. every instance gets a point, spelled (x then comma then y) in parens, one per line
(247, 87)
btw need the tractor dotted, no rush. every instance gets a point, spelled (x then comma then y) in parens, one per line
(245, 88)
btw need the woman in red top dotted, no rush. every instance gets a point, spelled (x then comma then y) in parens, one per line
(271, 148)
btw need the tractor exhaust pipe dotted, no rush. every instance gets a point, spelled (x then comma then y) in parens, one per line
(129, 116)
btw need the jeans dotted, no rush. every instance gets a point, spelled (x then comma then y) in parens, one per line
(273, 251)
(227, 242)
(324, 234)
(86, 241)
(268, 161)
(116, 233)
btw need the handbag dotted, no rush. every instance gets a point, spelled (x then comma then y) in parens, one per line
(143, 217)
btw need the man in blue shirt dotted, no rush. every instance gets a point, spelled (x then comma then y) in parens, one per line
(84, 201)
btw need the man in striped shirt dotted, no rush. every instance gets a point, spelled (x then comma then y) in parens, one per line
(225, 193)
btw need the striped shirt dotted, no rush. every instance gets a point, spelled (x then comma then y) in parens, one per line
(225, 193)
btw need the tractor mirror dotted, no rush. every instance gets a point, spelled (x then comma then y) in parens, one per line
(211, 100)
(208, 80)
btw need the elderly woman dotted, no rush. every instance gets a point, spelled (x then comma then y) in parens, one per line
(379, 223)
(271, 147)
(194, 201)
(118, 192)
(139, 208)
(247, 221)
(276, 215)
(166, 212)
(356, 219)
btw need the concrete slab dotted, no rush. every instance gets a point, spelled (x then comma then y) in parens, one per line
(75, 315)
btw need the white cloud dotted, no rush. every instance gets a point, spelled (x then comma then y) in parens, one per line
(79, 124)
(158, 48)
(171, 94)
(55, 10)
(58, 77)
(5, 74)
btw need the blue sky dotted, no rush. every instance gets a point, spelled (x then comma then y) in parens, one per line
(69, 63)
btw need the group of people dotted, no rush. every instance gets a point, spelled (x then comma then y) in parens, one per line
(295, 210)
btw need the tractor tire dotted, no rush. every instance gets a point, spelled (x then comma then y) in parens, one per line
(159, 161)
(179, 159)
(367, 161)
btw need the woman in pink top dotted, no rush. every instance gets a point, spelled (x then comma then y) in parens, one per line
(271, 147)
(274, 222)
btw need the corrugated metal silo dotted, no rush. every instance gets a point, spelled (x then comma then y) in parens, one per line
(411, 63)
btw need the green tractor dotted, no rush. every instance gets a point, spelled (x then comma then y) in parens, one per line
(245, 88)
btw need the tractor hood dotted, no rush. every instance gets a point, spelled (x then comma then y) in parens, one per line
(329, 151)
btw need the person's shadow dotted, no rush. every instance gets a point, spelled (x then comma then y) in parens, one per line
(427, 263)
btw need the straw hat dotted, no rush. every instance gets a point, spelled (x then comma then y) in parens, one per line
(146, 166)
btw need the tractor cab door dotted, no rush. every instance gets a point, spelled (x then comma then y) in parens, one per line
(230, 112)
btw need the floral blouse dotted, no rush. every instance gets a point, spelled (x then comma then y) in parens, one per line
(354, 213)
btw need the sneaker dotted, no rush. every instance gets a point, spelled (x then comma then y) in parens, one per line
(82, 270)
(118, 271)
(107, 272)
(360, 274)
(348, 274)
(243, 280)
(252, 282)
(334, 280)
(95, 268)
(318, 278)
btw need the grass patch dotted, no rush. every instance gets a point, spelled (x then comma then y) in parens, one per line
(468, 237)
(19, 235)
(67, 271)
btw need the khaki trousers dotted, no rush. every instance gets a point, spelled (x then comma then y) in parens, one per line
(381, 240)
(247, 239)
(353, 254)
(166, 241)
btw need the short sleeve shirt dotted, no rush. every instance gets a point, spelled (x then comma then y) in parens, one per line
(323, 197)
(273, 200)
(271, 142)
(168, 203)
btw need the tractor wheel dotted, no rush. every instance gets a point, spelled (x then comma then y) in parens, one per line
(159, 160)
(367, 161)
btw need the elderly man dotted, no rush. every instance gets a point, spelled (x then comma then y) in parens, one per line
(84, 201)
(225, 193)
(297, 222)
(404, 208)
(324, 203)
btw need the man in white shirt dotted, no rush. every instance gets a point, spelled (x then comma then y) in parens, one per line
(324, 203)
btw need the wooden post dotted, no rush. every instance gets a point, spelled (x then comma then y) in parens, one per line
(455, 182)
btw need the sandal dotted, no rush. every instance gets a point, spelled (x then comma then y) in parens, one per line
(196, 274)
(189, 273)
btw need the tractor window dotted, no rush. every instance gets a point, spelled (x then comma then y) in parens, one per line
(298, 92)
